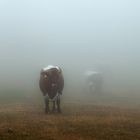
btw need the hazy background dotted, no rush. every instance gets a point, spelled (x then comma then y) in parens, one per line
(77, 35)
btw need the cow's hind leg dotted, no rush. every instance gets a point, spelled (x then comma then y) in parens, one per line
(47, 110)
(53, 107)
(58, 104)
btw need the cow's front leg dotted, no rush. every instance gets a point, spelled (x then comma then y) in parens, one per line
(58, 104)
(53, 107)
(47, 109)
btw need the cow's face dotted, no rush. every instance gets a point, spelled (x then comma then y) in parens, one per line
(44, 75)
(52, 75)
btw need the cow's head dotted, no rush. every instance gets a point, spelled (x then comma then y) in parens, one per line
(44, 75)
(51, 75)
(54, 75)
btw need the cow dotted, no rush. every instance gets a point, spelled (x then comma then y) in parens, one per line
(51, 85)
(94, 81)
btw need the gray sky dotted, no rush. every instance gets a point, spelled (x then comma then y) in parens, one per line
(76, 34)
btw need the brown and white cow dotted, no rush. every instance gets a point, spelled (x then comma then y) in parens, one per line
(51, 84)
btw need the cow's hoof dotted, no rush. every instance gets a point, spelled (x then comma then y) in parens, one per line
(47, 111)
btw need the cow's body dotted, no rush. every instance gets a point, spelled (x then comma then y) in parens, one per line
(94, 81)
(51, 84)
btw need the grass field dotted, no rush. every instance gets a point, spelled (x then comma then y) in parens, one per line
(26, 120)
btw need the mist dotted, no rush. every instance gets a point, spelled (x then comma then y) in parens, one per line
(75, 35)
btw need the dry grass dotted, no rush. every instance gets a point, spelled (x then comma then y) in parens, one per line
(27, 121)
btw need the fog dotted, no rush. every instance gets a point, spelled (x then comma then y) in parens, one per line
(77, 35)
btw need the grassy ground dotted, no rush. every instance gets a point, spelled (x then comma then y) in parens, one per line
(27, 121)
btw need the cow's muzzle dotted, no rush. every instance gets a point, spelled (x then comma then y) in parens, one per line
(54, 85)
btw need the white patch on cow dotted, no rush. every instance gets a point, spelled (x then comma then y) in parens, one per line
(54, 85)
(50, 67)
(45, 76)
(57, 96)
(88, 73)
(58, 68)
(46, 97)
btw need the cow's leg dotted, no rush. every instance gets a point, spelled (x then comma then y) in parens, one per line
(58, 104)
(47, 110)
(53, 107)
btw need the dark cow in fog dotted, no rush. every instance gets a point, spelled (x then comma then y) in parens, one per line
(94, 81)
(51, 84)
